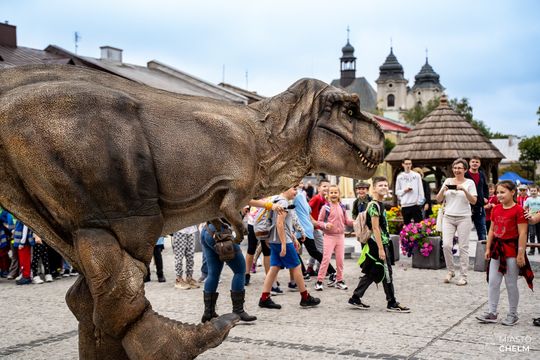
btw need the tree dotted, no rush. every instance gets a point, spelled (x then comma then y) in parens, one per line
(530, 153)
(419, 111)
(463, 108)
(388, 146)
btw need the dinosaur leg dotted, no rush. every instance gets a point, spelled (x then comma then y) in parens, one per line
(115, 281)
(229, 209)
(94, 344)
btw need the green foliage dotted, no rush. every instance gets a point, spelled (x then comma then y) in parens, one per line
(388, 146)
(465, 109)
(418, 112)
(530, 149)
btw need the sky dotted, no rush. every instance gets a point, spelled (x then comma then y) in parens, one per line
(486, 51)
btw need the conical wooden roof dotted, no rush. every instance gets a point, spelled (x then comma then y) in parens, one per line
(443, 136)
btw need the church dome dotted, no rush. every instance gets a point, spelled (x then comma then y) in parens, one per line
(348, 50)
(427, 78)
(391, 69)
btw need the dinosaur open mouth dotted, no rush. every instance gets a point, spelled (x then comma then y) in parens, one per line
(370, 164)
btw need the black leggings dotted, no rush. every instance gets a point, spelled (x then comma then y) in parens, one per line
(253, 241)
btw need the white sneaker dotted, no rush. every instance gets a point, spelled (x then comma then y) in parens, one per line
(461, 282)
(37, 280)
(19, 277)
(341, 285)
(449, 277)
(48, 278)
(319, 286)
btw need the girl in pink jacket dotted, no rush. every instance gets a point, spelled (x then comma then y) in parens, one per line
(332, 221)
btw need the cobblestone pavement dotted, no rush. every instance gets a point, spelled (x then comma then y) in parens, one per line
(37, 324)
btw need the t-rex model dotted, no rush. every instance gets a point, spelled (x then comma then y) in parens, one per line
(101, 166)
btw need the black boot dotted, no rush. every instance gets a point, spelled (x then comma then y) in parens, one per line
(237, 298)
(210, 300)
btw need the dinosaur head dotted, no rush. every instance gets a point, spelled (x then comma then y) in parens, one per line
(343, 140)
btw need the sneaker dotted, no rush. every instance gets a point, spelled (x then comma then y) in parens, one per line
(48, 278)
(161, 278)
(247, 278)
(192, 283)
(449, 277)
(23, 281)
(397, 307)
(461, 282)
(332, 277)
(487, 318)
(19, 277)
(276, 291)
(358, 304)
(181, 284)
(268, 304)
(341, 285)
(319, 286)
(73, 273)
(331, 281)
(310, 271)
(307, 278)
(310, 301)
(66, 273)
(37, 280)
(536, 322)
(510, 320)
(293, 286)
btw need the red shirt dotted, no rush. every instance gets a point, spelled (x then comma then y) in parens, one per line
(475, 177)
(316, 203)
(521, 200)
(492, 200)
(505, 226)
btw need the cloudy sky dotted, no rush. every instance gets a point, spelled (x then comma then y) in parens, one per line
(487, 51)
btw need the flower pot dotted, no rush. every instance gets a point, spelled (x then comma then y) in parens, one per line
(435, 260)
(394, 239)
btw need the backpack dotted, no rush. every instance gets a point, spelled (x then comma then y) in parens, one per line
(363, 232)
(264, 223)
(327, 212)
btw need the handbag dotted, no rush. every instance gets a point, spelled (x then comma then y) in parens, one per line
(224, 245)
(440, 217)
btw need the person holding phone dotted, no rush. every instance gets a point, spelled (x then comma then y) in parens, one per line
(458, 193)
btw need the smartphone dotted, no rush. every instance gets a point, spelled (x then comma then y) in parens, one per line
(452, 187)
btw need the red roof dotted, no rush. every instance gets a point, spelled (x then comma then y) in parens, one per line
(390, 125)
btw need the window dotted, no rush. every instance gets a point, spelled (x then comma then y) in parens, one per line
(390, 85)
(390, 100)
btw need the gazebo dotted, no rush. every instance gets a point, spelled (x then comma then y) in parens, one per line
(440, 138)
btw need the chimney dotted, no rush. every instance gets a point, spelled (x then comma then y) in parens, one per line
(112, 54)
(8, 35)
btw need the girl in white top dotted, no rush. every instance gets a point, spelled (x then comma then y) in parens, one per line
(458, 193)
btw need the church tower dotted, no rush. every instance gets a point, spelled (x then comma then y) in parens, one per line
(426, 86)
(348, 64)
(391, 88)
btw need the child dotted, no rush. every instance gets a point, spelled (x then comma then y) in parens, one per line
(40, 252)
(492, 201)
(183, 244)
(158, 261)
(377, 256)
(332, 221)
(532, 205)
(522, 195)
(23, 239)
(283, 254)
(505, 251)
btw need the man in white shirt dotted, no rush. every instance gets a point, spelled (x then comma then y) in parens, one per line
(410, 193)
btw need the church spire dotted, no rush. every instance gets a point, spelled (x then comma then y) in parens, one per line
(348, 63)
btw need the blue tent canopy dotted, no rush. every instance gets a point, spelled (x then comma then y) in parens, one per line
(512, 176)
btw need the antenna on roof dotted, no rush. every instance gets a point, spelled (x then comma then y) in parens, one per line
(77, 37)
(246, 79)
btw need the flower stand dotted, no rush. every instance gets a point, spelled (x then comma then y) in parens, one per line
(394, 239)
(480, 263)
(435, 260)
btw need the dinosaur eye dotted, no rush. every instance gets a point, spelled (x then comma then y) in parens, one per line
(350, 112)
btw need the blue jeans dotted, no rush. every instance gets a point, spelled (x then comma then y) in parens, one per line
(215, 266)
(479, 219)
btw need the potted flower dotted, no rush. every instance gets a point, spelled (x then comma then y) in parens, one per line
(423, 242)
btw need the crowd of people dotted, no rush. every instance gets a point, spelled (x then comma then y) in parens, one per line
(505, 218)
